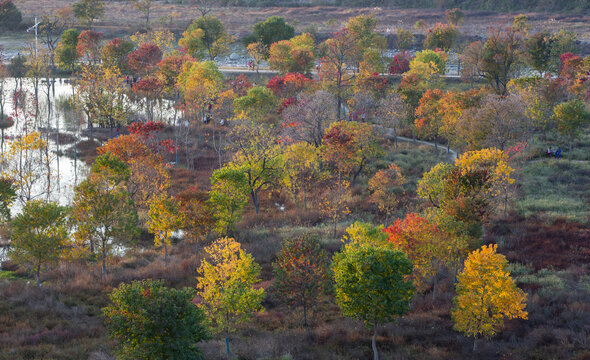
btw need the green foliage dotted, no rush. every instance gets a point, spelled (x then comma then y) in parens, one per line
(371, 283)
(539, 50)
(270, 31)
(442, 36)
(154, 322)
(436, 59)
(7, 197)
(88, 10)
(39, 234)
(66, 53)
(227, 197)
(562, 42)
(205, 36)
(258, 105)
(103, 209)
(405, 39)
(571, 117)
(365, 234)
(10, 16)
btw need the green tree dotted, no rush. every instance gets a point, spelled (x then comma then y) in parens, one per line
(227, 197)
(206, 36)
(66, 53)
(103, 209)
(441, 36)
(372, 285)
(226, 286)
(501, 57)
(405, 39)
(10, 16)
(486, 295)
(562, 42)
(39, 235)
(87, 11)
(455, 16)
(301, 274)
(153, 322)
(7, 197)
(270, 31)
(571, 117)
(145, 7)
(258, 105)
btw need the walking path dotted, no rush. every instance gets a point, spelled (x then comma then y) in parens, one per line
(390, 134)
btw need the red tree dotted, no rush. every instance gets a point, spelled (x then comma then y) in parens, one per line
(144, 60)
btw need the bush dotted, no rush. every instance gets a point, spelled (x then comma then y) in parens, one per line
(10, 16)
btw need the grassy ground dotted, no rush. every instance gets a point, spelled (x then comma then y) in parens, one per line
(122, 17)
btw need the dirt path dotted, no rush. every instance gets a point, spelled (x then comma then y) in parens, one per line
(390, 134)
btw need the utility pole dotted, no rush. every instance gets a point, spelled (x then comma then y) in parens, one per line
(35, 27)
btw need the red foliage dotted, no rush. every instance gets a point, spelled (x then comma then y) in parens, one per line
(240, 85)
(145, 59)
(565, 57)
(89, 44)
(146, 129)
(170, 67)
(289, 85)
(410, 232)
(400, 63)
(150, 87)
(285, 104)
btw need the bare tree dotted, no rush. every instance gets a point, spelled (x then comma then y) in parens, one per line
(391, 112)
(307, 119)
(204, 7)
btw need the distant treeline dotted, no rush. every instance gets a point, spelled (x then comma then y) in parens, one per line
(492, 5)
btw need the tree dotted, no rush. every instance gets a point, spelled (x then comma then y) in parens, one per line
(386, 186)
(436, 60)
(293, 56)
(309, 116)
(66, 53)
(101, 94)
(371, 285)
(364, 234)
(391, 112)
(429, 121)
(258, 52)
(148, 173)
(26, 164)
(405, 39)
(562, 42)
(39, 235)
(206, 36)
(145, 7)
(204, 6)
(337, 56)
(259, 105)
(197, 214)
(454, 16)
(301, 274)
(472, 60)
(486, 295)
(87, 11)
(164, 39)
(116, 53)
(10, 16)
(7, 197)
(302, 170)
(103, 209)
(441, 36)
(52, 27)
(270, 31)
(154, 322)
(227, 197)
(89, 45)
(201, 83)
(144, 60)
(164, 218)
(400, 63)
(538, 48)
(226, 286)
(571, 117)
(258, 157)
(502, 55)
(348, 146)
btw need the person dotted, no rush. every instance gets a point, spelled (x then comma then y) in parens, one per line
(558, 153)
(550, 152)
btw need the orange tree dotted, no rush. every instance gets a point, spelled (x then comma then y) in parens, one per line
(428, 117)
(295, 55)
(386, 187)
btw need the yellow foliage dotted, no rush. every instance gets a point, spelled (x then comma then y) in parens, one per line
(486, 295)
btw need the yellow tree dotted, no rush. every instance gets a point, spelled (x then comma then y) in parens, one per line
(257, 50)
(302, 170)
(164, 218)
(201, 83)
(226, 286)
(486, 295)
(162, 38)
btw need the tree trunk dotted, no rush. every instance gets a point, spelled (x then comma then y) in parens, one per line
(227, 349)
(374, 343)
(104, 261)
(255, 201)
(305, 324)
(165, 254)
(474, 344)
(38, 276)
